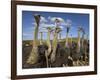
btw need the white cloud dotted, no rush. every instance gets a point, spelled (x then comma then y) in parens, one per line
(49, 17)
(49, 25)
(43, 25)
(43, 19)
(68, 22)
(42, 30)
(61, 27)
(52, 19)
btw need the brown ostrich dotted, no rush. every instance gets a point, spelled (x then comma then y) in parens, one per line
(33, 57)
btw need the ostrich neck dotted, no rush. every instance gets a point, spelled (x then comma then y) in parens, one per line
(41, 35)
(48, 40)
(48, 37)
(35, 36)
(55, 40)
(78, 35)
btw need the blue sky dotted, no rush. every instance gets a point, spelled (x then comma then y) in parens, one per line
(47, 19)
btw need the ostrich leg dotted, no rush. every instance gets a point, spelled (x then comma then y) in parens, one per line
(33, 57)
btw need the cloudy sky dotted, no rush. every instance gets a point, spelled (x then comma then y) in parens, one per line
(47, 20)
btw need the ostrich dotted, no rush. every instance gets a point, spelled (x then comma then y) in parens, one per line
(33, 57)
(47, 52)
(54, 44)
(82, 43)
(83, 47)
(68, 26)
(77, 55)
(78, 42)
(59, 51)
(55, 40)
(86, 48)
(48, 39)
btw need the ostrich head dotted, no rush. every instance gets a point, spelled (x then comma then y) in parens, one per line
(81, 30)
(37, 19)
(58, 29)
(57, 22)
(49, 29)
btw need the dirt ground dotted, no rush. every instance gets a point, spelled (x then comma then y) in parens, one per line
(61, 60)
